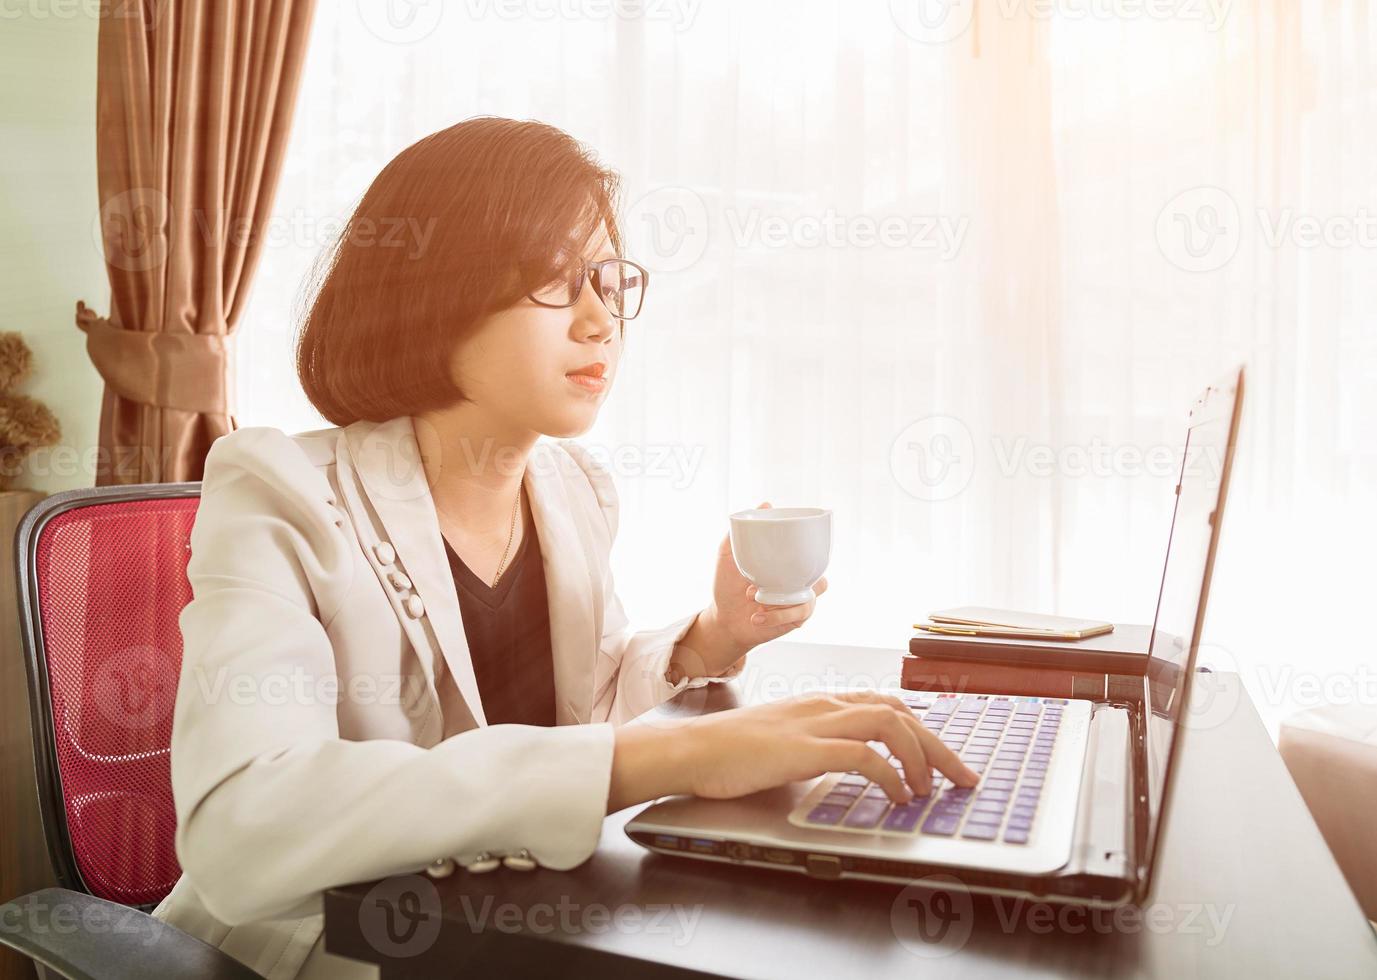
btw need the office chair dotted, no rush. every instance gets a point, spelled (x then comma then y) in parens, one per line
(102, 581)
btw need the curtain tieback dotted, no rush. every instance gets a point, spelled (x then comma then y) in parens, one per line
(184, 371)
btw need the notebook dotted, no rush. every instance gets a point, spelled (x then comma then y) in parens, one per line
(983, 621)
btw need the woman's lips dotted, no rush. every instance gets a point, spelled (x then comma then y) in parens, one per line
(588, 382)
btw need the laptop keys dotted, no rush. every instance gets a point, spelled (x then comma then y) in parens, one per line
(980, 831)
(826, 814)
(942, 824)
(867, 814)
(1008, 741)
(904, 817)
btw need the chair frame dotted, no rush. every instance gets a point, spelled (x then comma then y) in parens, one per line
(78, 954)
(42, 724)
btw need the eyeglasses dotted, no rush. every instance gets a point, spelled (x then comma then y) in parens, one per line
(620, 283)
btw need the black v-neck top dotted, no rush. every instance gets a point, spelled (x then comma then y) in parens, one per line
(508, 630)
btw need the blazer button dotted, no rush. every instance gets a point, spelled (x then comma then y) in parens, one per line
(441, 868)
(399, 581)
(385, 553)
(415, 608)
(482, 863)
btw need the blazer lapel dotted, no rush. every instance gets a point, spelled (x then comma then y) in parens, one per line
(572, 582)
(388, 462)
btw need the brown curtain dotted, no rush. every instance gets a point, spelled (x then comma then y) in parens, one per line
(194, 102)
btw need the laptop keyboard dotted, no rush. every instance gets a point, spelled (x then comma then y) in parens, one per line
(1007, 740)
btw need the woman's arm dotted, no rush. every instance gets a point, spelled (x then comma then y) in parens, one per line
(727, 754)
(705, 644)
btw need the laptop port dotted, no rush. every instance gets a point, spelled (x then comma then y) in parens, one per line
(778, 855)
(738, 851)
(701, 845)
(823, 866)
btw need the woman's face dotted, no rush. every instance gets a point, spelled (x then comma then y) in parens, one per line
(544, 369)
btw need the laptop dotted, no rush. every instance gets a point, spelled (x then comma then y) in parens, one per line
(1073, 793)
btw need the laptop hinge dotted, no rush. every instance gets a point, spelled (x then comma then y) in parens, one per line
(1102, 846)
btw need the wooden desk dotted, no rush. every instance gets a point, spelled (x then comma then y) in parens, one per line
(1245, 888)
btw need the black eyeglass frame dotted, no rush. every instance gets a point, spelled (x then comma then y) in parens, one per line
(594, 269)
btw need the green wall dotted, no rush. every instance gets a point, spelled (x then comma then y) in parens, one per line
(49, 253)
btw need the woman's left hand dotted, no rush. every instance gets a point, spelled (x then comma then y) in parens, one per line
(743, 621)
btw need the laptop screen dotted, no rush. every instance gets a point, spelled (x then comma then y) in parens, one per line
(1200, 493)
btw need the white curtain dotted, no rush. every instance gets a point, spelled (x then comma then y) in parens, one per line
(955, 270)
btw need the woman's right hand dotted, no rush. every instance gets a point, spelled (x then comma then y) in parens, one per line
(732, 753)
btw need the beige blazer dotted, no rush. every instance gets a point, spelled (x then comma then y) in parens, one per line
(328, 726)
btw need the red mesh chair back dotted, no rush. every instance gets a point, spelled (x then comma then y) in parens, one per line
(102, 580)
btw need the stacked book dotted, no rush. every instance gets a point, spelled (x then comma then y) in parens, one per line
(974, 650)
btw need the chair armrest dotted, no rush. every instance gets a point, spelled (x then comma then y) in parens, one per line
(82, 937)
(1331, 752)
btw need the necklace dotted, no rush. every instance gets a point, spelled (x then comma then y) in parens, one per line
(510, 534)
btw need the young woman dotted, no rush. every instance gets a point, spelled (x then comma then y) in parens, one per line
(405, 650)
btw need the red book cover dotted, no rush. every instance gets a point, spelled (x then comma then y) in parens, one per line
(967, 677)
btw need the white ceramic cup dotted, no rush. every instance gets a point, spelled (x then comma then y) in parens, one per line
(782, 550)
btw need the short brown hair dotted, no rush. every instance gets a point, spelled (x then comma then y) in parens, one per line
(457, 226)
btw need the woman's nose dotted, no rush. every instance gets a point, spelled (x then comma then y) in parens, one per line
(593, 320)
